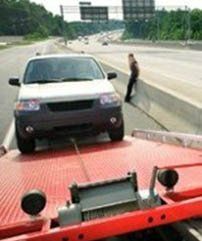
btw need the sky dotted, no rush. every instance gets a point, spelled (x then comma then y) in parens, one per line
(53, 5)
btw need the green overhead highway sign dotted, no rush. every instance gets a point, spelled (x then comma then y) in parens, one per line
(138, 9)
(93, 13)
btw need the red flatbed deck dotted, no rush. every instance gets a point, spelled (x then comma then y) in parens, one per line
(53, 171)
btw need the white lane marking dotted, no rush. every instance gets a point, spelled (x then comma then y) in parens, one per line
(9, 136)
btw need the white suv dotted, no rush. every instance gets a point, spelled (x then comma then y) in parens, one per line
(65, 95)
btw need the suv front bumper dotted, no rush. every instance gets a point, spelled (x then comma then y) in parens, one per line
(44, 123)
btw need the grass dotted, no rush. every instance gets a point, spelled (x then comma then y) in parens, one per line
(23, 42)
(3, 47)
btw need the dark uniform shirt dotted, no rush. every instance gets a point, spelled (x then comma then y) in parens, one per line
(134, 69)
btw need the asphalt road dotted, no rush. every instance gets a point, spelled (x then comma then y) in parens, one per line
(183, 65)
(176, 70)
(12, 63)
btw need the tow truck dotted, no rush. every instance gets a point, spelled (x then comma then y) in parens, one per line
(97, 192)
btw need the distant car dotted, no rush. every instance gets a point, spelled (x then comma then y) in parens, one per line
(105, 43)
(86, 40)
(80, 38)
(65, 95)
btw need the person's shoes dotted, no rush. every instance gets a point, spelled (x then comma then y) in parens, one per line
(127, 100)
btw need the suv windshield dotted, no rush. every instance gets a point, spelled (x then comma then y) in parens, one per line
(63, 69)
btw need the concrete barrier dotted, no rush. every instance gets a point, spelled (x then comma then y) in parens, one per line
(171, 111)
(11, 39)
(194, 45)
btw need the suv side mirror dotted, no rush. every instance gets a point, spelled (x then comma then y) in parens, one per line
(111, 75)
(14, 81)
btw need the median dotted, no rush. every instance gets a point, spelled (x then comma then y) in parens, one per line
(170, 108)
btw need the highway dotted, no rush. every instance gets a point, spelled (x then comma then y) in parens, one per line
(176, 70)
(12, 62)
(114, 58)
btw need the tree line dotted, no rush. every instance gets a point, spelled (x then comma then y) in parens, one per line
(167, 25)
(22, 17)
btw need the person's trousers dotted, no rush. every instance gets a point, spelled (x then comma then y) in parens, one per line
(131, 83)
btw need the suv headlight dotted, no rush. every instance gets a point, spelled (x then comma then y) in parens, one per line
(28, 105)
(110, 99)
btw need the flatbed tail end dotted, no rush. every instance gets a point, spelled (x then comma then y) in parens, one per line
(53, 171)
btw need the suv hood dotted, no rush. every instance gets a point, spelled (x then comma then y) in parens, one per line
(66, 91)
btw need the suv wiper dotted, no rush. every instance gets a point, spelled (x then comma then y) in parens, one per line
(44, 81)
(74, 79)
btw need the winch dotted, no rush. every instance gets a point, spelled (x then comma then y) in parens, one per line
(105, 199)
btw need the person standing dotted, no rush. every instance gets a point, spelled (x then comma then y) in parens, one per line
(134, 68)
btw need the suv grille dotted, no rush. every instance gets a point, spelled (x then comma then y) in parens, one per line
(71, 105)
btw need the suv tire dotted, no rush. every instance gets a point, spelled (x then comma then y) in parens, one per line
(25, 146)
(117, 134)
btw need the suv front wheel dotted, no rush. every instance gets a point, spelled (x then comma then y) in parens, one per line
(117, 134)
(25, 145)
